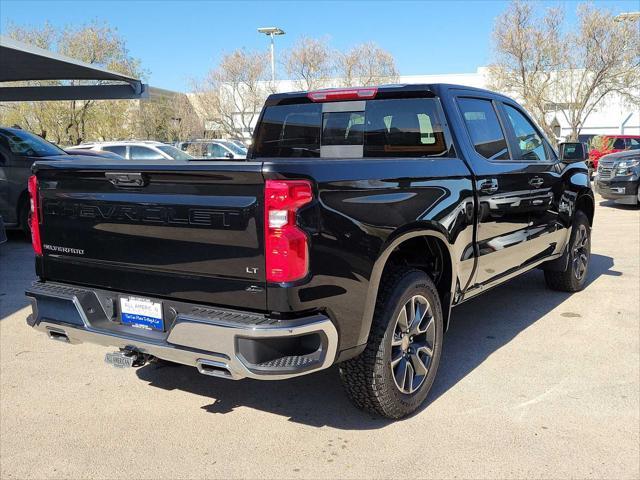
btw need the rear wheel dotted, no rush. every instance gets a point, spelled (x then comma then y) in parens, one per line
(394, 374)
(574, 277)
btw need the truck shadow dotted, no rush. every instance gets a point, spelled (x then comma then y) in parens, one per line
(479, 328)
(618, 206)
(16, 273)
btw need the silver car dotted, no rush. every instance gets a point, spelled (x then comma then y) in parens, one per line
(213, 149)
(137, 150)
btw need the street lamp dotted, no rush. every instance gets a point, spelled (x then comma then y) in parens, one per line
(272, 32)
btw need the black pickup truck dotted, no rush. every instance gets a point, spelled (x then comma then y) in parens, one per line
(359, 219)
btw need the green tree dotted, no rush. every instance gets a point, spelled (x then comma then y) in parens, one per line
(71, 122)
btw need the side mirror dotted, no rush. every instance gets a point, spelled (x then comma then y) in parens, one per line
(573, 152)
(229, 155)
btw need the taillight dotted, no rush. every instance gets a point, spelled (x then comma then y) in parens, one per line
(286, 245)
(34, 218)
(338, 94)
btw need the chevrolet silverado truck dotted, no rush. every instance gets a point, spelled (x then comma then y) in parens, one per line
(360, 218)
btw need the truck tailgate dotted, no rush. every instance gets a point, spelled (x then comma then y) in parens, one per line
(185, 230)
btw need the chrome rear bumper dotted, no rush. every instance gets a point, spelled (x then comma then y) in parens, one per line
(224, 343)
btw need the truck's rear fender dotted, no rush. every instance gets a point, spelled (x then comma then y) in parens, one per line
(361, 209)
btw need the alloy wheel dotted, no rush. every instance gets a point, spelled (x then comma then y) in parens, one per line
(580, 253)
(412, 344)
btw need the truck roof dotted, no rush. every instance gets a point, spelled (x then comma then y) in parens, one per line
(396, 90)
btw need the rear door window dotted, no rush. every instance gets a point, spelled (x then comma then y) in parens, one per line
(409, 127)
(405, 128)
(117, 149)
(618, 144)
(484, 128)
(144, 153)
(215, 150)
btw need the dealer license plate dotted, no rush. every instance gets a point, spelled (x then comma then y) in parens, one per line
(141, 313)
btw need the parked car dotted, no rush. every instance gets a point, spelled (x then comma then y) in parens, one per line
(619, 177)
(606, 144)
(137, 150)
(93, 153)
(363, 216)
(18, 150)
(237, 143)
(213, 149)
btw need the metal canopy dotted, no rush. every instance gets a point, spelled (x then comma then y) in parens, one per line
(22, 62)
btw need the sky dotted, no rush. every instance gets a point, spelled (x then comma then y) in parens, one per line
(179, 41)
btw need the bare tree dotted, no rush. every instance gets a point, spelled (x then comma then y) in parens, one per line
(232, 95)
(168, 117)
(366, 65)
(528, 52)
(310, 63)
(570, 71)
(603, 57)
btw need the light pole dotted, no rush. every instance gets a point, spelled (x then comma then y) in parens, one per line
(272, 32)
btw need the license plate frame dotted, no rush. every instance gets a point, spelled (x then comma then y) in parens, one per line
(119, 359)
(141, 312)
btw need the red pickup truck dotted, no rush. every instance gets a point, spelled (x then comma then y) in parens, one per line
(607, 144)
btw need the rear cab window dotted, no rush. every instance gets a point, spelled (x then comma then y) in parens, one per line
(404, 127)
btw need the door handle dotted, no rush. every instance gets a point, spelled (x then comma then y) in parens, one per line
(489, 186)
(536, 182)
(125, 179)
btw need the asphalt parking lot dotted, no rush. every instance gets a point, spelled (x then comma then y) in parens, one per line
(533, 383)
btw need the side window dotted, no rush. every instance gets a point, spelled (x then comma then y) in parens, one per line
(618, 144)
(530, 144)
(484, 128)
(143, 153)
(117, 149)
(634, 144)
(404, 128)
(216, 150)
(196, 150)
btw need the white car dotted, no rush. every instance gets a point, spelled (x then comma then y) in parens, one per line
(213, 149)
(136, 150)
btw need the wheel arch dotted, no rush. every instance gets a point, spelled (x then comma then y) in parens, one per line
(586, 203)
(405, 247)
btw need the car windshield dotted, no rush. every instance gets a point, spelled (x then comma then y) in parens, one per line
(27, 144)
(235, 148)
(175, 153)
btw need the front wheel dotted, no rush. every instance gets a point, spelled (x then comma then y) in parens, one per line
(393, 375)
(574, 277)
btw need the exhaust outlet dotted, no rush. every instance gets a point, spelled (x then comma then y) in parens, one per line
(215, 369)
(58, 335)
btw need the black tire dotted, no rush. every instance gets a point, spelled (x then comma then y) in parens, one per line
(574, 277)
(369, 378)
(23, 218)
